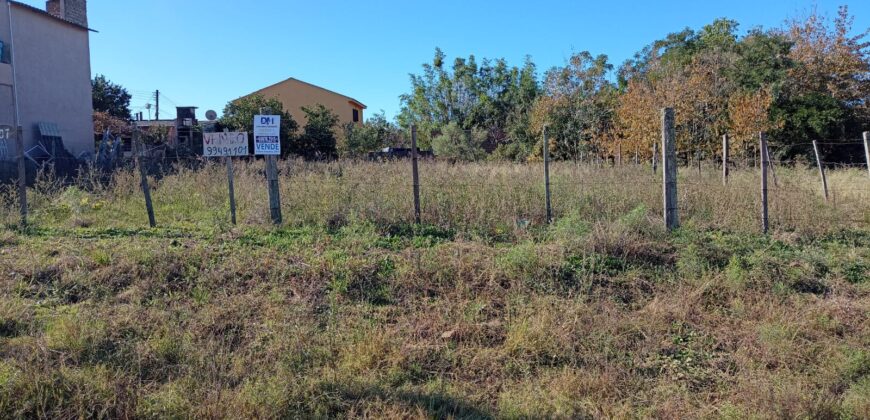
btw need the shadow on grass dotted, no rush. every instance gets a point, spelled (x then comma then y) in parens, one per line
(107, 233)
(436, 405)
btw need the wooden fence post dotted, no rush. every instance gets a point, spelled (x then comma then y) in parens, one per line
(143, 175)
(669, 168)
(619, 154)
(725, 150)
(636, 156)
(655, 157)
(765, 221)
(272, 182)
(867, 150)
(418, 214)
(547, 176)
(274, 189)
(22, 176)
(770, 162)
(821, 169)
(232, 189)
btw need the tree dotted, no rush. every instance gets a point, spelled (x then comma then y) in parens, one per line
(458, 144)
(374, 134)
(239, 115)
(318, 139)
(488, 95)
(110, 98)
(827, 94)
(577, 105)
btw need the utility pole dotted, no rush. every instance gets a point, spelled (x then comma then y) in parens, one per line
(157, 107)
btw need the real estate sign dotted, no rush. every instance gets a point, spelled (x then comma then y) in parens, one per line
(225, 144)
(267, 135)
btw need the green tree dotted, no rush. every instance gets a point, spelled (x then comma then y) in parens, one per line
(317, 140)
(577, 105)
(488, 95)
(110, 98)
(239, 115)
(376, 133)
(457, 143)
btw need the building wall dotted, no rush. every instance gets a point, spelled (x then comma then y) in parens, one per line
(53, 75)
(7, 149)
(294, 94)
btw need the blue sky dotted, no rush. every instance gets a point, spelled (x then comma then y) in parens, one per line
(205, 53)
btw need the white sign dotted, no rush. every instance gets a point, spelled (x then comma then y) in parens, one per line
(267, 135)
(7, 132)
(224, 144)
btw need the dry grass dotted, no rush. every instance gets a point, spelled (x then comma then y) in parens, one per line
(496, 200)
(484, 312)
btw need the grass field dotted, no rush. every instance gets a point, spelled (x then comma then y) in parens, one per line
(484, 311)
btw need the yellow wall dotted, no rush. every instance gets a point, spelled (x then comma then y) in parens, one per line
(295, 94)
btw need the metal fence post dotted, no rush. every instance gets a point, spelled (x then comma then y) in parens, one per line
(669, 168)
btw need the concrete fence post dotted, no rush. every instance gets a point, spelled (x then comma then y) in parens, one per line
(669, 168)
(821, 169)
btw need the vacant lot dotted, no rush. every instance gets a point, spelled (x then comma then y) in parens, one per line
(350, 310)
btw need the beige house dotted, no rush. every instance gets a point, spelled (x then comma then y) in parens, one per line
(295, 94)
(45, 77)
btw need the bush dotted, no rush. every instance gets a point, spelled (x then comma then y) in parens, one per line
(458, 144)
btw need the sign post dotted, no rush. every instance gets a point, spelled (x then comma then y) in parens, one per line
(226, 145)
(8, 133)
(267, 142)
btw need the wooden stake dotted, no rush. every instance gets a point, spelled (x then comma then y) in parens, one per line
(547, 176)
(22, 176)
(232, 189)
(146, 190)
(770, 163)
(821, 169)
(619, 155)
(274, 189)
(867, 150)
(655, 157)
(669, 162)
(418, 214)
(725, 150)
(765, 221)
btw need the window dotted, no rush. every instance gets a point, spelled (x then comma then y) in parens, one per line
(355, 115)
(4, 52)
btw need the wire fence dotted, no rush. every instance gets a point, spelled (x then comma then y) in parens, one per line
(492, 199)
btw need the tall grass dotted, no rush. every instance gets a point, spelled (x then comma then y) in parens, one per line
(490, 199)
(485, 312)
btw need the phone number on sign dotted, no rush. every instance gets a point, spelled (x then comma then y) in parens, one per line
(217, 151)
